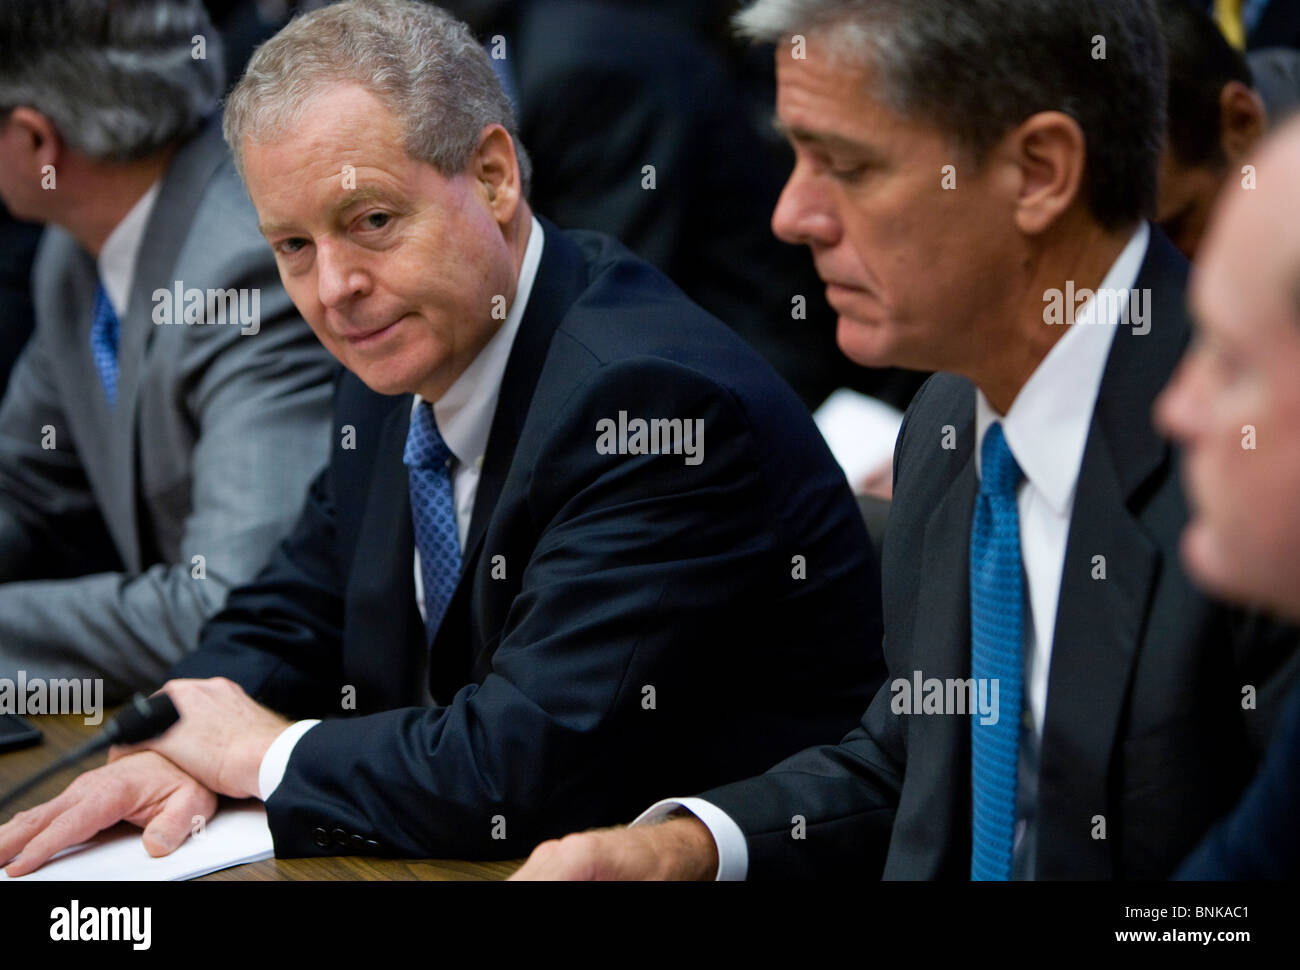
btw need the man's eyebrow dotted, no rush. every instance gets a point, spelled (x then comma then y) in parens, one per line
(365, 193)
(821, 139)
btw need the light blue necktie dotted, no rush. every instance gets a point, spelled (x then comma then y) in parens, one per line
(433, 513)
(103, 343)
(997, 629)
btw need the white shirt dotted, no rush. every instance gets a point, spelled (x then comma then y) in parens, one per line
(464, 416)
(1046, 430)
(117, 257)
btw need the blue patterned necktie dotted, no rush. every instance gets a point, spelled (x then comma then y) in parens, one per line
(103, 343)
(997, 636)
(433, 513)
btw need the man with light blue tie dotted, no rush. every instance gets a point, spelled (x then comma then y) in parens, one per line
(161, 426)
(1061, 702)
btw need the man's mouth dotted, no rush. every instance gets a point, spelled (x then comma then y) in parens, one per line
(373, 335)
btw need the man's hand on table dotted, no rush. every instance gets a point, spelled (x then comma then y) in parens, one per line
(144, 788)
(216, 748)
(221, 738)
(680, 848)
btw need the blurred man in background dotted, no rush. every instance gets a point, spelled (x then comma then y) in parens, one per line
(161, 425)
(1214, 118)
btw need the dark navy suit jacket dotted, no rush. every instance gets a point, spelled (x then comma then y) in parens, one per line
(1261, 838)
(650, 627)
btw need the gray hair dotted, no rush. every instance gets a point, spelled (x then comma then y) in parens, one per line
(977, 68)
(422, 63)
(119, 81)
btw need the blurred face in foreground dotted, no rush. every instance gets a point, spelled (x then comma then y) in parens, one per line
(1234, 403)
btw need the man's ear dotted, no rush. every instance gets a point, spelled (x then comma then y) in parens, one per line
(496, 170)
(1242, 120)
(35, 137)
(1048, 153)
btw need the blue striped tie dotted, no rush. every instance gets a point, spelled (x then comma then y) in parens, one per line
(103, 343)
(433, 513)
(997, 636)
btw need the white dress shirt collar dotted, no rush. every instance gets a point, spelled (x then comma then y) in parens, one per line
(1047, 425)
(117, 257)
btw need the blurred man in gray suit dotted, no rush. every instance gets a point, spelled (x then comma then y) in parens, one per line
(160, 427)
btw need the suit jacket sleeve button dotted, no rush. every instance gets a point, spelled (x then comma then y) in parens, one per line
(321, 838)
(358, 843)
(340, 837)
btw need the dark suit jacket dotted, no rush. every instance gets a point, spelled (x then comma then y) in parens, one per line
(17, 251)
(1260, 838)
(624, 625)
(1144, 722)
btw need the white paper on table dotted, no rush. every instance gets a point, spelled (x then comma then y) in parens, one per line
(860, 432)
(236, 835)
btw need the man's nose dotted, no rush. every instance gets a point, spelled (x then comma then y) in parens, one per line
(338, 277)
(1177, 410)
(804, 214)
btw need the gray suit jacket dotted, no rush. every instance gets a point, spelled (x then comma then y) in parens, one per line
(105, 511)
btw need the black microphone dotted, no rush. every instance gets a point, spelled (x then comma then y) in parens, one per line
(141, 719)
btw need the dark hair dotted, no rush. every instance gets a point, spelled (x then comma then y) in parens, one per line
(119, 80)
(1201, 62)
(977, 68)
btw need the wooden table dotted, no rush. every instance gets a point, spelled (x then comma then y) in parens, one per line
(65, 731)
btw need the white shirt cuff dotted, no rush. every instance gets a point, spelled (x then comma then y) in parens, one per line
(733, 852)
(276, 759)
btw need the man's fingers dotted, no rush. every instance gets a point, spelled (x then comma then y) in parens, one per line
(173, 825)
(136, 788)
(541, 865)
(679, 848)
(582, 856)
(77, 822)
(18, 831)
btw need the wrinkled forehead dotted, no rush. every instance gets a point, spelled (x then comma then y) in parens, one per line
(836, 102)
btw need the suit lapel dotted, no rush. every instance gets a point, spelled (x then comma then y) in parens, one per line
(93, 424)
(164, 237)
(933, 814)
(561, 278)
(386, 544)
(1100, 622)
